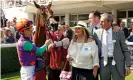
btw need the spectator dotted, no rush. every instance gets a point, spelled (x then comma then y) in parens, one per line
(68, 32)
(94, 20)
(13, 23)
(123, 28)
(2, 39)
(11, 28)
(9, 36)
(3, 21)
(114, 24)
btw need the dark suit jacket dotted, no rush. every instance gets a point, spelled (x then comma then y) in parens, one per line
(69, 34)
(3, 24)
(126, 32)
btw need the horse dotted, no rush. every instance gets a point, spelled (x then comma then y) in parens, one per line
(43, 16)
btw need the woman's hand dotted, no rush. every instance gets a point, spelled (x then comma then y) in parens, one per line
(69, 58)
(95, 71)
(50, 46)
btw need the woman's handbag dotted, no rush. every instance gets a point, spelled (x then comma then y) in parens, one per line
(66, 74)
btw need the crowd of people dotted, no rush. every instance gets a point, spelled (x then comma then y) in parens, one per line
(9, 34)
(97, 49)
(8, 30)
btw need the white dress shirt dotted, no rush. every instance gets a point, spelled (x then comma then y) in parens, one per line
(85, 55)
(109, 43)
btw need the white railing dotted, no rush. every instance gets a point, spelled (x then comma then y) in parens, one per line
(130, 47)
(8, 45)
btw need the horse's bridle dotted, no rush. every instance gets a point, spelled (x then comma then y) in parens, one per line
(47, 23)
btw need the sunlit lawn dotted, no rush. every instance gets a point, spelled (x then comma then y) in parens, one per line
(11, 76)
(16, 76)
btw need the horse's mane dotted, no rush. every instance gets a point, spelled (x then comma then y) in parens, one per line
(37, 19)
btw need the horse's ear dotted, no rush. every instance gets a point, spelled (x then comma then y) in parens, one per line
(49, 5)
(37, 5)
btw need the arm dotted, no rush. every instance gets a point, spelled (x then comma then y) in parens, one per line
(95, 60)
(28, 46)
(65, 42)
(124, 48)
(69, 57)
(95, 55)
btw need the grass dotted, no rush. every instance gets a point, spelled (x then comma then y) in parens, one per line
(16, 76)
(11, 76)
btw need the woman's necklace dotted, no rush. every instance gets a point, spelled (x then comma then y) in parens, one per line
(78, 50)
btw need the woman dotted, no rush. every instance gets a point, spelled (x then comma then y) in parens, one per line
(58, 53)
(27, 51)
(83, 54)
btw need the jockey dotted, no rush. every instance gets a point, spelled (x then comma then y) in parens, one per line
(27, 50)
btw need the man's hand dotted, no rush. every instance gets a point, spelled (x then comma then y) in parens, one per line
(128, 71)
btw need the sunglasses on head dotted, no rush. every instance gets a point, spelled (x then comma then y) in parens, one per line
(26, 25)
(29, 23)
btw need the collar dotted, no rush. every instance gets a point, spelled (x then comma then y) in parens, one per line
(98, 25)
(60, 38)
(109, 31)
(26, 38)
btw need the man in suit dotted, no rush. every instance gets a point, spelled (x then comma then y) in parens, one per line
(113, 53)
(123, 28)
(3, 21)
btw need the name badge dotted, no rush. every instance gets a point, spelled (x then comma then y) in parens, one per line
(86, 49)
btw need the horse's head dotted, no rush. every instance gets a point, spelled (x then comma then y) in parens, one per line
(43, 16)
(44, 12)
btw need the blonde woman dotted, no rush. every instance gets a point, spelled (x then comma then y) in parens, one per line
(83, 54)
